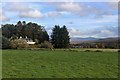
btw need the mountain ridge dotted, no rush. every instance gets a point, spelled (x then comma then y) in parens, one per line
(91, 39)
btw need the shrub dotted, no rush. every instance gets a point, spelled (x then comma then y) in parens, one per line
(87, 50)
(33, 46)
(46, 44)
(5, 43)
(73, 50)
(19, 43)
(118, 50)
(36, 41)
(98, 51)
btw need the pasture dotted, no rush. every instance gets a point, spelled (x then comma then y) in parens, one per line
(59, 64)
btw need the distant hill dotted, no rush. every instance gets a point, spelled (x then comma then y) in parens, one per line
(76, 40)
(80, 40)
(105, 40)
(111, 43)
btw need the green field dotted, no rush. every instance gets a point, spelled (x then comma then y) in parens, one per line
(59, 64)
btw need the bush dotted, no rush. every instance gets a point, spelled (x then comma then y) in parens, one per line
(46, 44)
(98, 51)
(34, 46)
(19, 43)
(5, 43)
(36, 41)
(118, 50)
(87, 50)
(73, 50)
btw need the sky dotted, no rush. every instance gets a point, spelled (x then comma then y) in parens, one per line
(82, 19)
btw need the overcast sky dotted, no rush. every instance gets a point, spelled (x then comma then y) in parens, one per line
(83, 19)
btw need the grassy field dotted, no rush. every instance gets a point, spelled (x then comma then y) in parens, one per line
(59, 64)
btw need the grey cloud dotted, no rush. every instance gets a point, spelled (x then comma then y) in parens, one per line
(24, 10)
(82, 9)
(98, 32)
(108, 31)
(104, 32)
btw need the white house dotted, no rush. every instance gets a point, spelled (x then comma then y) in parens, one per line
(29, 41)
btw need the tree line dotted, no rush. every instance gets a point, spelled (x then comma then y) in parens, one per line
(59, 37)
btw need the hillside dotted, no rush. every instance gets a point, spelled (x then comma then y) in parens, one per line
(77, 40)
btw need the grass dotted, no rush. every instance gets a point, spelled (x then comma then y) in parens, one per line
(59, 64)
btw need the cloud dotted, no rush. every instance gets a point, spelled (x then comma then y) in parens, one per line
(31, 14)
(62, 8)
(97, 32)
(104, 19)
(74, 32)
(70, 7)
(55, 13)
(60, 0)
(81, 9)
(106, 32)
(17, 7)
(90, 10)
(3, 17)
(24, 10)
